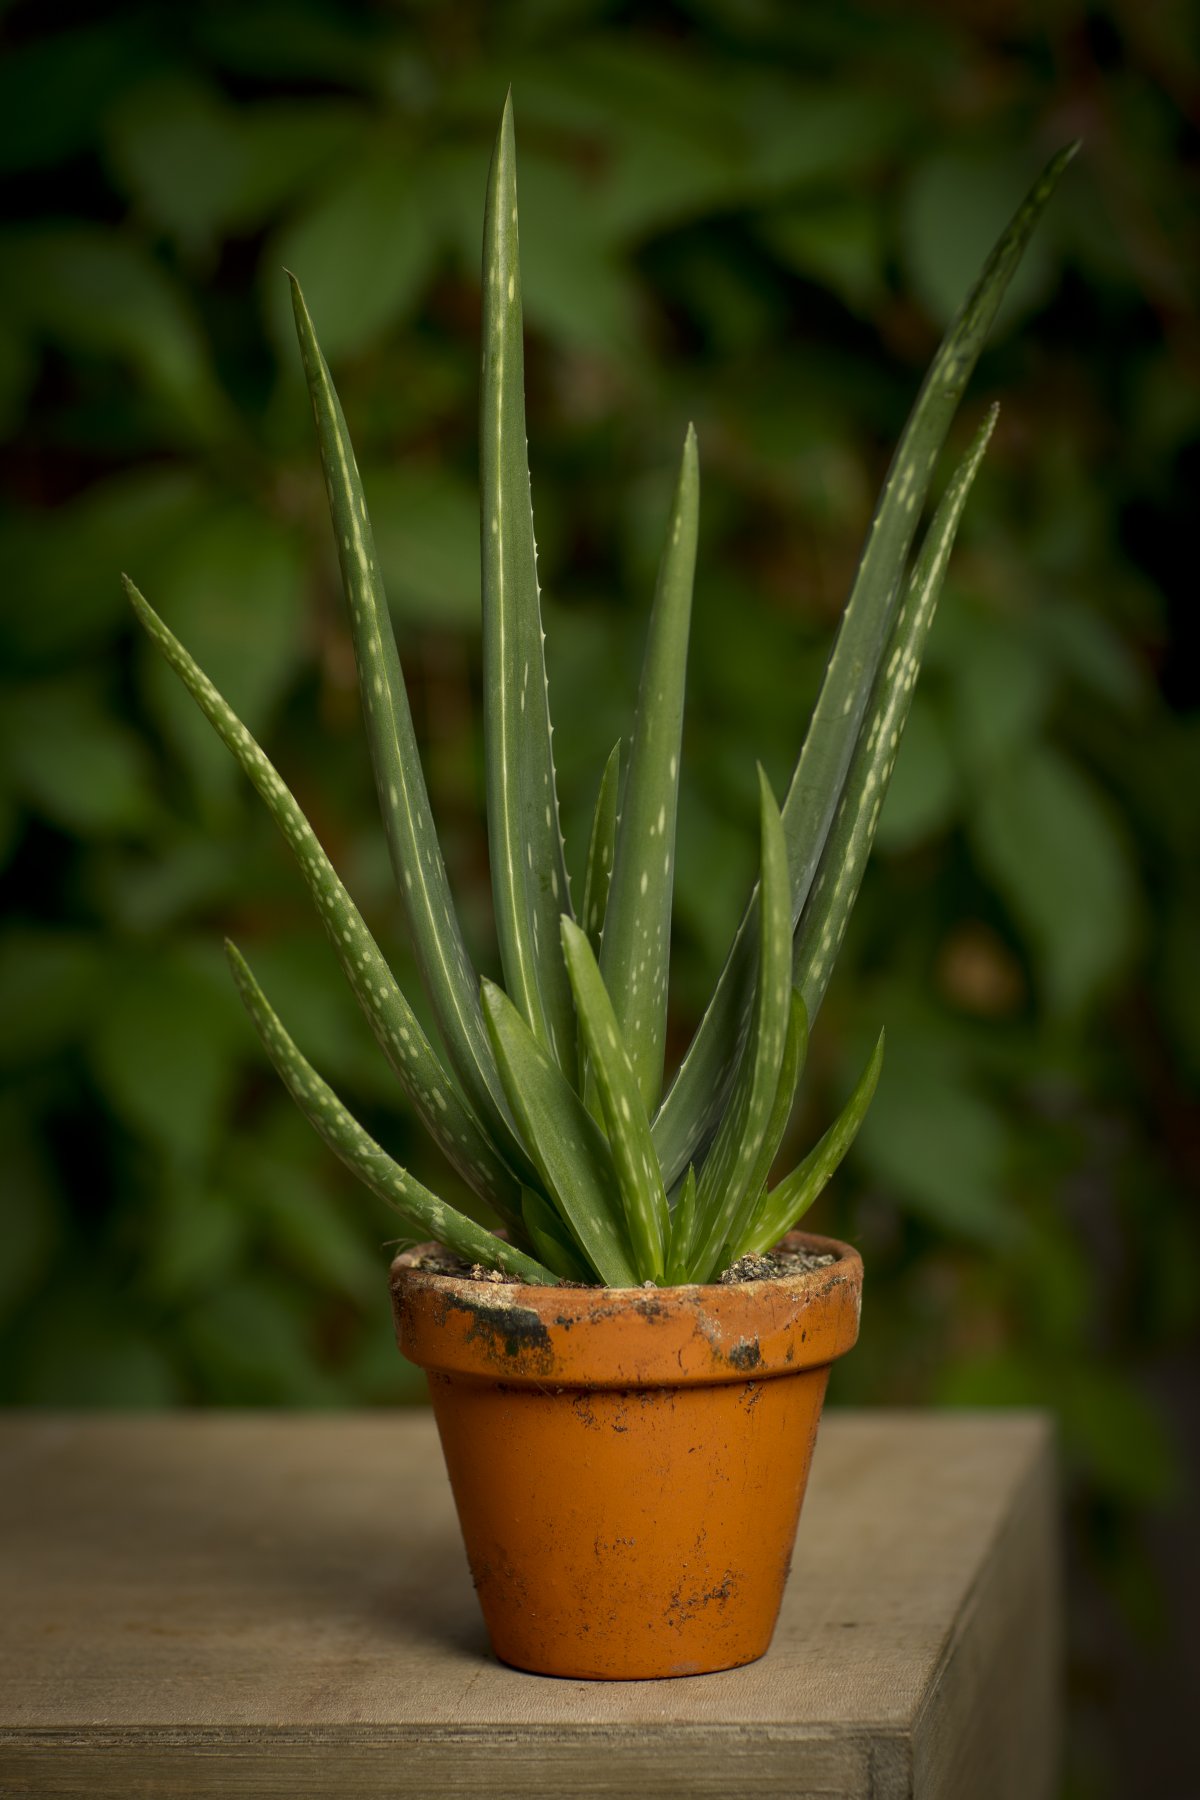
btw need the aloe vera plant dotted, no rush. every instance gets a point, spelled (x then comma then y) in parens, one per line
(546, 1094)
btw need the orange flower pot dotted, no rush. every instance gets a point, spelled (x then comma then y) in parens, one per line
(629, 1463)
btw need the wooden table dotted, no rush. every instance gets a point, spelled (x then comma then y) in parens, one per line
(273, 1604)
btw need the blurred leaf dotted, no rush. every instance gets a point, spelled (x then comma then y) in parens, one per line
(714, 864)
(84, 1348)
(954, 205)
(75, 763)
(1085, 646)
(428, 541)
(326, 1235)
(174, 149)
(837, 242)
(165, 1053)
(172, 881)
(935, 1143)
(98, 294)
(573, 287)
(233, 590)
(362, 250)
(1001, 690)
(278, 40)
(309, 988)
(192, 1238)
(672, 144)
(1108, 1424)
(67, 559)
(54, 90)
(924, 792)
(1044, 836)
(827, 134)
(199, 167)
(51, 983)
(253, 1340)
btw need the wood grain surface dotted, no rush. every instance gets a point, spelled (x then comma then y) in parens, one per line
(278, 1604)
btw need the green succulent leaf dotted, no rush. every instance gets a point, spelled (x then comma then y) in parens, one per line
(433, 1091)
(737, 1147)
(635, 949)
(551, 1238)
(823, 922)
(600, 849)
(564, 1141)
(794, 1054)
(529, 875)
(361, 1154)
(445, 968)
(697, 1095)
(647, 1219)
(787, 1203)
(683, 1221)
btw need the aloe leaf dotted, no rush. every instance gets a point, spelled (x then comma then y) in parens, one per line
(529, 875)
(823, 923)
(361, 1154)
(647, 1218)
(794, 1054)
(551, 1239)
(595, 886)
(432, 1090)
(600, 849)
(730, 1164)
(683, 1221)
(698, 1092)
(635, 950)
(412, 839)
(788, 1202)
(564, 1140)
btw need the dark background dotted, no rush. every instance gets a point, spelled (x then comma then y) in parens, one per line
(751, 214)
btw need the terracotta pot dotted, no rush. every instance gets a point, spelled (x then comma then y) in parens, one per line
(629, 1463)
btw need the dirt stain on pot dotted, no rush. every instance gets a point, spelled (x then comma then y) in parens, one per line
(505, 1332)
(683, 1609)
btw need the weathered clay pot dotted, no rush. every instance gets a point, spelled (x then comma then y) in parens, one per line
(629, 1463)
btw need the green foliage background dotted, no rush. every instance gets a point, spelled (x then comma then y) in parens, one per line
(751, 214)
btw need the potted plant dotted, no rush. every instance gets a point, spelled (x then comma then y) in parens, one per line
(628, 1373)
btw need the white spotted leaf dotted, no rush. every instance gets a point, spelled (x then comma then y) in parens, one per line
(416, 855)
(635, 951)
(600, 849)
(683, 1223)
(361, 1154)
(794, 1055)
(529, 874)
(787, 1203)
(566, 1144)
(628, 1126)
(433, 1091)
(831, 900)
(732, 1163)
(697, 1096)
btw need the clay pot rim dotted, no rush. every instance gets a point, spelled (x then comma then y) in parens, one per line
(694, 1333)
(531, 1292)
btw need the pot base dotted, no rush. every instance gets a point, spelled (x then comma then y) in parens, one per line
(629, 1534)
